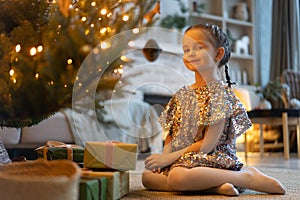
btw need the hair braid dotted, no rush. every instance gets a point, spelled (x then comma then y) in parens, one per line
(227, 75)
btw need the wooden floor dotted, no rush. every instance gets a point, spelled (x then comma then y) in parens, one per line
(273, 160)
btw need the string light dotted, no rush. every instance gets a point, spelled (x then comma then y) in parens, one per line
(11, 72)
(18, 48)
(40, 48)
(69, 61)
(105, 45)
(36, 76)
(125, 18)
(131, 43)
(103, 11)
(135, 30)
(32, 51)
(93, 3)
(103, 30)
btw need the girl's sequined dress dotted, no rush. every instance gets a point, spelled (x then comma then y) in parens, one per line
(190, 113)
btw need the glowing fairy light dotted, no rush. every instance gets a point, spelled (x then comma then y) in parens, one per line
(11, 72)
(125, 18)
(105, 45)
(93, 3)
(124, 58)
(120, 71)
(65, 86)
(14, 80)
(18, 48)
(83, 19)
(135, 30)
(92, 25)
(69, 61)
(131, 43)
(40, 48)
(103, 30)
(32, 51)
(103, 11)
(36, 75)
(109, 15)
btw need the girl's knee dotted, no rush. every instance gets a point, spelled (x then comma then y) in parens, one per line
(177, 179)
(146, 178)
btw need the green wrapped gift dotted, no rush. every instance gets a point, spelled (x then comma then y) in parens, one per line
(117, 182)
(92, 188)
(54, 150)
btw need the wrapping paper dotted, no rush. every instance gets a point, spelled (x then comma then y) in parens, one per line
(55, 150)
(93, 188)
(110, 155)
(117, 182)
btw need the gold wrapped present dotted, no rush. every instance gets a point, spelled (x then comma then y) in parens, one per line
(110, 155)
(117, 182)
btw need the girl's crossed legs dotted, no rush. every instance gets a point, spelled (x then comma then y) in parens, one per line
(219, 181)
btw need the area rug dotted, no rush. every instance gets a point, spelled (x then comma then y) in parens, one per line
(290, 178)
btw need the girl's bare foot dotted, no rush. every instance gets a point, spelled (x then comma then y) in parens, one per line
(263, 183)
(225, 189)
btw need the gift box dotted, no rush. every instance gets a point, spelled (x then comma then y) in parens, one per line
(54, 150)
(93, 188)
(117, 182)
(110, 155)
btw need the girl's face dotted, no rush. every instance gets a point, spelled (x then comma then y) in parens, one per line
(199, 54)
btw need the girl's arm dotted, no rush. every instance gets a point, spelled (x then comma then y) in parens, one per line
(210, 140)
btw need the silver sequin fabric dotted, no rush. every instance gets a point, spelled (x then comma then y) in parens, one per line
(189, 114)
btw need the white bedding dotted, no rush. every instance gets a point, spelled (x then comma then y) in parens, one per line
(125, 121)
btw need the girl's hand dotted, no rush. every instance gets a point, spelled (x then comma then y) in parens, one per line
(157, 161)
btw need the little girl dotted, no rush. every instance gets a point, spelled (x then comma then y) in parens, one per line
(203, 121)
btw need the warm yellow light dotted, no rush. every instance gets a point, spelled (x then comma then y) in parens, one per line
(87, 31)
(135, 30)
(120, 71)
(40, 48)
(69, 61)
(115, 71)
(92, 25)
(103, 11)
(65, 86)
(131, 43)
(83, 19)
(32, 51)
(14, 80)
(124, 58)
(11, 72)
(18, 48)
(103, 30)
(105, 45)
(93, 3)
(109, 14)
(125, 18)
(37, 75)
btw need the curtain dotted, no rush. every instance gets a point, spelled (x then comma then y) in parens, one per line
(285, 37)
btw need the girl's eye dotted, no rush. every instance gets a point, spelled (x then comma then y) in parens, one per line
(186, 50)
(198, 47)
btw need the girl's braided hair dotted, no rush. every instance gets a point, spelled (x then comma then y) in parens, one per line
(219, 39)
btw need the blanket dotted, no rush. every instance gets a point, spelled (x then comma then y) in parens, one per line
(123, 120)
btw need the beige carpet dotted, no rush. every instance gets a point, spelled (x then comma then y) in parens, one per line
(289, 178)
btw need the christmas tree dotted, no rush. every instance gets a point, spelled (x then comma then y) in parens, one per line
(43, 43)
